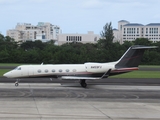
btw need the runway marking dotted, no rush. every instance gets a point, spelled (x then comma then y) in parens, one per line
(32, 93)
(66, 116)
(11, 94)
(104, 92)
(90, 87)
(101, 111)
(124, 96)
(137, 97)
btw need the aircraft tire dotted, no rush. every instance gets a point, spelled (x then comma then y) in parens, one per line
(16, 84)
(83, 83)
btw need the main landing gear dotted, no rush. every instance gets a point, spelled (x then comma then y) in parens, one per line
(17, 83)
(83, 83)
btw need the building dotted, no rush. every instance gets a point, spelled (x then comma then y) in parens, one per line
(46, 32)
(82, 38)
(43, 31)
(130, 31)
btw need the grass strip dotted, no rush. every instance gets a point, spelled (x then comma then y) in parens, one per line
(149, 66)
(2, 71)
(10, 64)
(139, 74)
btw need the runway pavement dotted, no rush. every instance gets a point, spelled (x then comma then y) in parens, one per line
(107, 81)
(51, 101)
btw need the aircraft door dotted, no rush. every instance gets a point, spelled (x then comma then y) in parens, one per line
(24, 72)
(30, 71)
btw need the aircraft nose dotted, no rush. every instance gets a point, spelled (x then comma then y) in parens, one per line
(6, 74)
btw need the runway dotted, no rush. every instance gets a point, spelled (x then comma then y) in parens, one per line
(75, 91)
(106, 81)
(53, 101)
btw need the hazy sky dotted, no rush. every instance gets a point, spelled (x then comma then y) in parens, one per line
(77, 16)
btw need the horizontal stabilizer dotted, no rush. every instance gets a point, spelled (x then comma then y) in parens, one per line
(143, 47)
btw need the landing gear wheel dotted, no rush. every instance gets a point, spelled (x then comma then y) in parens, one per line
(16, 84)
(83, 83)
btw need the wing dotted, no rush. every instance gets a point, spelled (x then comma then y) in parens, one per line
(105, 75)
(79, 78)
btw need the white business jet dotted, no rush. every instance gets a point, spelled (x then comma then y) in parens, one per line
(82, 72)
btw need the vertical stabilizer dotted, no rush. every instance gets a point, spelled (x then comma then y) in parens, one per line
(132, 57)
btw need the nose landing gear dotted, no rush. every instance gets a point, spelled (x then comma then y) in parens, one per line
(17, 83)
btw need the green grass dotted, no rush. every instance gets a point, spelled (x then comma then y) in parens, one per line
(149, 66)
(2, 71)
(10, 64)
(139, 74)
(15, 64)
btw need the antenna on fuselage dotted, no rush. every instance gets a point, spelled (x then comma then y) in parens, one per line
(42, 63)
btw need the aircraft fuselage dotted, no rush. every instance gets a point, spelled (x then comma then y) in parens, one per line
(51, 71)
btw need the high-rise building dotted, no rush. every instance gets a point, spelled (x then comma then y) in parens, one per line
(42, 31)
(130, 31)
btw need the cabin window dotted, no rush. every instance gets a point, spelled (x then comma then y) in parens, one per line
(67, 70)
(60, 70)
(39, 71)
(53, 70)
(74, 70)
(46, 71)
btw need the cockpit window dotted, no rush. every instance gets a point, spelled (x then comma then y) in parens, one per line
(17, 68)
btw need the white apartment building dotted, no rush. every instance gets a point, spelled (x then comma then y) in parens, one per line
(83, 38)
(42, 31)
(130, 31)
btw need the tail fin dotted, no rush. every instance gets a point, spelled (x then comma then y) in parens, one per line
(132, 57)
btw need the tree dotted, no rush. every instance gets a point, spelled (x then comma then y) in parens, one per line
(29, 45)
(127, 44)
(142, 41)
(107, 36)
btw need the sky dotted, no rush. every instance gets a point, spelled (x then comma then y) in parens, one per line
(77, 16)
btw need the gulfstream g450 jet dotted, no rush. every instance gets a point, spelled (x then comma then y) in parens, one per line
(82, 72)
